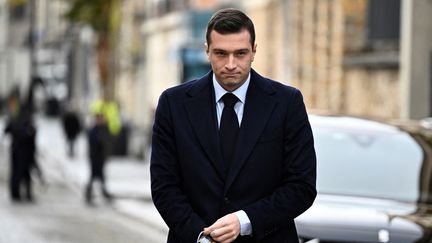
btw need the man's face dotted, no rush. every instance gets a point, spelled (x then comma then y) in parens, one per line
(231, 57)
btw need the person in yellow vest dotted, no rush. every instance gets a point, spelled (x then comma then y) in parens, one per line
(109, 109)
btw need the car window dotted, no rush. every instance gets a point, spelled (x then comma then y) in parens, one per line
(383, 165)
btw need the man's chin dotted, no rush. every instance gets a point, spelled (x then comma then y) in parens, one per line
(231, 84)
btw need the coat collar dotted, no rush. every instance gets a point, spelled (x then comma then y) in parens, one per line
(201, 109)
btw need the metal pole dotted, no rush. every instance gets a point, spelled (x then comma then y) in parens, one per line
(33, 37)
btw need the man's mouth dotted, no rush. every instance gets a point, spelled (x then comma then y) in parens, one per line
(231, 75)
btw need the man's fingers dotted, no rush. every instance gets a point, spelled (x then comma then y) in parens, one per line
(228, 237)
(207, 231)
(224, 230)
(224, 234)
(217, 233)
(212, 228)
(217, 225)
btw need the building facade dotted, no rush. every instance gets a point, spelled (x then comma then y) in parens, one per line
(359, 57)
(333, 51)
(33, 44)
(356, 57)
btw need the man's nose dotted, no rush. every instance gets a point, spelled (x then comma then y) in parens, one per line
(231, 63)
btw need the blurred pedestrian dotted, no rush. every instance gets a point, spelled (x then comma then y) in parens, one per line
(110, 111)
(72, 127)
(98, 138)
(22, 155)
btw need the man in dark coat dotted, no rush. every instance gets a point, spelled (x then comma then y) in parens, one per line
(98, 138)
(72, 127)
(22, 155)
(233, 154)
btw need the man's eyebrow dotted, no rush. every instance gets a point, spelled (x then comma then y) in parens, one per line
(218, 49)
(239, 50)
(242, 50)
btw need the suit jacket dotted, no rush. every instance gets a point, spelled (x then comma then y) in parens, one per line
(273, 174)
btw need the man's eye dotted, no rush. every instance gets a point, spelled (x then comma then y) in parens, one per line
(240, 54)
(220, 53)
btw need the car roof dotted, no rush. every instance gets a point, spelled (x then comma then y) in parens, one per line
(352, 124)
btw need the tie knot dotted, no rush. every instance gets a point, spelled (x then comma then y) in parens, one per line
(229, 100)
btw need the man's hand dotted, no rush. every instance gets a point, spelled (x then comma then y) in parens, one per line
(225, 229)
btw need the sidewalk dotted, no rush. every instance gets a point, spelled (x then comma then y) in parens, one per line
(128, 178)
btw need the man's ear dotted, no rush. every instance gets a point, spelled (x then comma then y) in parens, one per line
(254, 48)
(206, 48)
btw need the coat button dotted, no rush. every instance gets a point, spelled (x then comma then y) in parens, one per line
(226, 200)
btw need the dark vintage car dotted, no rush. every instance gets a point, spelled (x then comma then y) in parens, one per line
(374, 183)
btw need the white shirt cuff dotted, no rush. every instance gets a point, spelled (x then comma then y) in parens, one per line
(203, 239)
(199, 236)
(245, 224)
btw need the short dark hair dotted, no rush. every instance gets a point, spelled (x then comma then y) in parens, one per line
(228, 21)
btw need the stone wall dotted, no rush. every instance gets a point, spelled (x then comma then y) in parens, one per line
(371, 93)
(318, 38)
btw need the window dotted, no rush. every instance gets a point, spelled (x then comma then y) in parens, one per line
(383, 21)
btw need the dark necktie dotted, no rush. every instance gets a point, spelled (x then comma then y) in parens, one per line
(229, 128)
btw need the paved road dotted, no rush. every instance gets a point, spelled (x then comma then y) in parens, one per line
(60, 215)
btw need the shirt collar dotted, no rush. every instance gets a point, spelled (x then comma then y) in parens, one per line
(240, 92)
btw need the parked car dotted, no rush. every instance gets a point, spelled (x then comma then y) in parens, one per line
(374, 183)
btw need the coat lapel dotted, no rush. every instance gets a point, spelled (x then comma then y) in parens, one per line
(201, 110)
(257, 111)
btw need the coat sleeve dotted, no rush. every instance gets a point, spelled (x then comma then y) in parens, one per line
(297, 190)
(166, 180)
